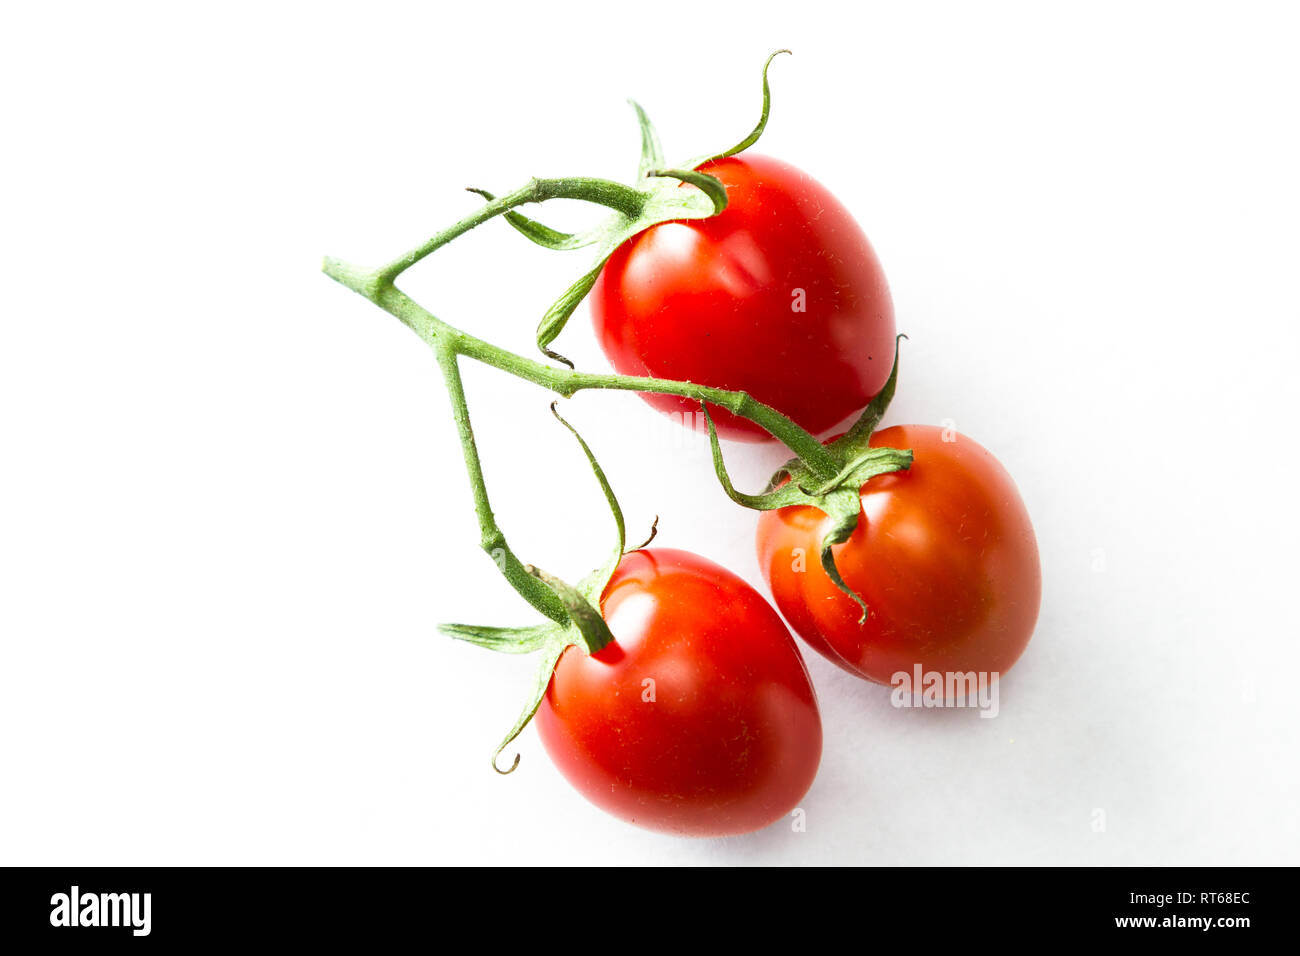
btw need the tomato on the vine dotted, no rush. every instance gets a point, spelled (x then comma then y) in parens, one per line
(944, 556)
(699, 719)
(780, 295)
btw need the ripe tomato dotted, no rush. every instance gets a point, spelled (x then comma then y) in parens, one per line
(699, 719)
(944, 556)
(780, 295)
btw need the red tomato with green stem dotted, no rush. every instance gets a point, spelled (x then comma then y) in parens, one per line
(944, 556)
(780, 295)
(700, 718)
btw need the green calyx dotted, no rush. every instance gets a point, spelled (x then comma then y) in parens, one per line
(655, 198)
(839, 496)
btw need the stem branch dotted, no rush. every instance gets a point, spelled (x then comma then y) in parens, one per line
(603, 192)
(534, 590)
(567, 382)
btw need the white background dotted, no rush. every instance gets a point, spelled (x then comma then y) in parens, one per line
(232, 508)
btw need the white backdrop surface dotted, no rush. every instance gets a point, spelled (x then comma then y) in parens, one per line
(231, 504)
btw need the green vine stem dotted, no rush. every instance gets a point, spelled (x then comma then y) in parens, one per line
(449, 344)
(660, 194)
(532, 588)
(825, 476)
(446, 340)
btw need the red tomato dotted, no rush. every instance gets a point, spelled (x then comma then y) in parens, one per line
(699, 719)
(780, 295)
(944, 556)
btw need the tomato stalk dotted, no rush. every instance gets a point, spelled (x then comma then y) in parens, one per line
(826, 476)
(444, 338)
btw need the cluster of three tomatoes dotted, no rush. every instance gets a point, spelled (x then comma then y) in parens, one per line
(700, 718)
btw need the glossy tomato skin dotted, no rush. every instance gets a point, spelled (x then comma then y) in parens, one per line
(699, 719)
(944, 555)
(716, 301)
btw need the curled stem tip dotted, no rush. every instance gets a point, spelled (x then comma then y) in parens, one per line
(833, 572)
(757, 131)
(654, 530)
(499, 770)
(557, 357)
